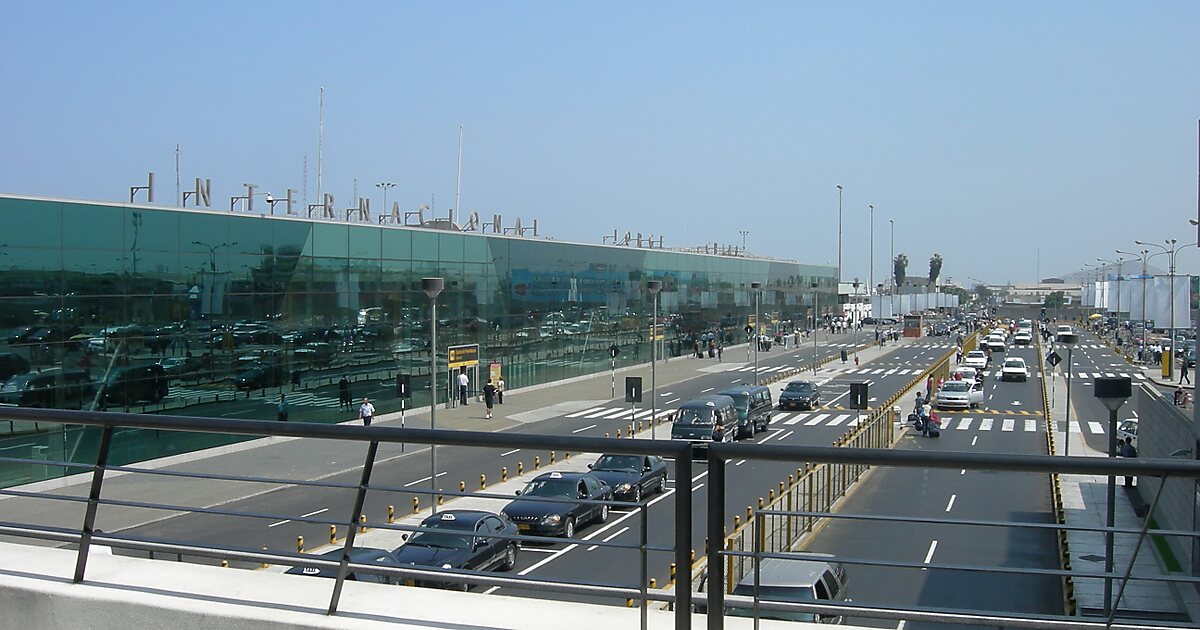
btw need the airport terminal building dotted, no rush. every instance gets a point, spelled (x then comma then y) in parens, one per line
(199, 312)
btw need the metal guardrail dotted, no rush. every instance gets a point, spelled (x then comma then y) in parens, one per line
(848, 458)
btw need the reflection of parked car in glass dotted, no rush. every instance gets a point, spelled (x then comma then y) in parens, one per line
(261, 375)
(181, 367)
(132, 384)
(70, 389)
(20, 335)
(12, 364)
(315, 353)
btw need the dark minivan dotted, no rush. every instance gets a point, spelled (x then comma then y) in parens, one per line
(133, 384)
(754, 406)
(705, 419)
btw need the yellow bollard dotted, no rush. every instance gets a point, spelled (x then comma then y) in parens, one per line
(416, 504)
(618, 434)
(760, 504)
(391, 514)
(653, 583)
(671, 574)
(441, 500)
(693, 556)
(504, 473)
(629, 603)
(737, 522)
(299, 544)
(224, 564)
(264, 565)
(362, 523)
(332, 534)
(462, 485)
(606, 436)
(630, 429)
(537, 462)
(520, 468)
(482, 481)
(566, 454)
(551, 457)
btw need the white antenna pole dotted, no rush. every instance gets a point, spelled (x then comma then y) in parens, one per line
(458, 179)
(178, 194)
(320, 139)
(305, 175)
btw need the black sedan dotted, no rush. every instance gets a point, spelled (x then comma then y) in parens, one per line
(555, 503)
(358, 555)
(261, 375)
(802, 395)
(461, 539)
(631, 476)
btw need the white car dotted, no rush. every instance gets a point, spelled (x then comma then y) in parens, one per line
(1022, 338)
(995, 342)
(959, 395)
(968, 374)
(975, 359)
(1063, 329)
(1014, 369)
(1127, 429)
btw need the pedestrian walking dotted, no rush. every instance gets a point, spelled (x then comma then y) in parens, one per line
(500, 391)
(719, 347)
(366, 412)
(1183, 372)
(281, 408)
(1128, 451)
(489, 397)
(928, 387)
(463, 382)
(344, 399)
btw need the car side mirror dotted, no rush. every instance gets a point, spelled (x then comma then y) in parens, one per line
(403, 537)
(518, 493)
(589, 466)
(648, 467)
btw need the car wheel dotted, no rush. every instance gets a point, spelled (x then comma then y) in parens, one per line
(569, 528)
(510, 558)
(603, 514)
(637, 493)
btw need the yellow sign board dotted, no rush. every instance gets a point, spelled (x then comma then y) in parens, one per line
(463, 356)
(656, 332)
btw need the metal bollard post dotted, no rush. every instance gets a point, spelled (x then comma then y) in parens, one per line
(299, 544)
(416, 504)
(551, 457)
(462, 485)
(737, 522)
(332, 534)
(537, 462)
(224, 564)
(520, 468)
(441, 500)
(482, 481)
(504, 473)
(362, 523)
(671, 574)
(263, 565)
(391, 514)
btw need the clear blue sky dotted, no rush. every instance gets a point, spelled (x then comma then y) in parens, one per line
(986, 130)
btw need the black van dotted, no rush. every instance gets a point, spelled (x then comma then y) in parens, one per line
(705, 419)
(53, 388)
(132, 384)
(754, 406)
(12, 364)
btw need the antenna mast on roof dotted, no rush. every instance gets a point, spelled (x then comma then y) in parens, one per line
(320, 138)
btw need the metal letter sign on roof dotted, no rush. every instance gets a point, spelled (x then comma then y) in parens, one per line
(463, 356)
(1053, 359)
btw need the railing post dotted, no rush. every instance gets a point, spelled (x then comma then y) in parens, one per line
(683, 537)
(351, 529)
(645, 569)
(89, 515)
(716, 522)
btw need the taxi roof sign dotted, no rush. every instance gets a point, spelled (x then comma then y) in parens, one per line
(446, 516)
(556, 475)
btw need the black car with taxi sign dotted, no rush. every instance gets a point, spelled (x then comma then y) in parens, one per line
(358, 555)
(473, 540)
(631, 476)
(557, 503)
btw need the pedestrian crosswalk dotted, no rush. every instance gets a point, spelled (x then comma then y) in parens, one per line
(764, 370)
(305, 399)
(868, 371)
(619, 413)
(957, 423)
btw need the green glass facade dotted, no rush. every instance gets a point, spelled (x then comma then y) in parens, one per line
(239, 308)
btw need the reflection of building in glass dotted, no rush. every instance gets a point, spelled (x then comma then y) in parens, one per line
(123, 285)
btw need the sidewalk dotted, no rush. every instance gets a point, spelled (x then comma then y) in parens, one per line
(276, 457)
(1084, 504)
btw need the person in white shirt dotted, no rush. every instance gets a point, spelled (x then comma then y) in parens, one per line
(463, 382)
(366, 412)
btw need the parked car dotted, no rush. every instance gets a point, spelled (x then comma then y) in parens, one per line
(12, 364)
(803, 395)
(792, 581)
(261, 375)
(53, 388)
(1128, 428)
(358, 555)
(976, 359)
(754, 405)
(314, 353)
(705, 419)
(1014, 369)
(18, 335)
(473, 540)
(556, 503)
(181, 367)
(963, 394)
(132, 384)
(631, 476)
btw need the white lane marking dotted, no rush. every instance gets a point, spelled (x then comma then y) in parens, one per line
(780, 417)
(1096, 427)
(1031, 425)
(699, 476)
(666, 393)
(643, 413)
(735, 381)
(1008, 424)
(422, 480)
(974, 440)
(707, 390)
(517, 450)
(620, 413)
(900, 626)
(277, 524)
(950, 504)
(1134, 413)
(739, 462)
(838, 420)
(932, 547)
(697, 487)
(320, 511)
(600, 411)
(608, 538)
(673, 400)
(785, 436)
(986, 424)
(964, 424)
(798, 418)
(584, 412)
(817, 419)
(590, 426)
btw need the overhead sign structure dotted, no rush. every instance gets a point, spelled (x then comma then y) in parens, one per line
(463, 356)
(633, 389)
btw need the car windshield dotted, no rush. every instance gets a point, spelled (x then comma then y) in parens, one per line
(622, 463)
(741, 400)
(695, 416)
(976, 354)
(800, 388)
(451, 536)
(956, 386)
(1014, 363)
(554, 488)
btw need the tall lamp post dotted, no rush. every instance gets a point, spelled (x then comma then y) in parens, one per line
(432, 288)
(1069, 340)
(853, 320)
(756, 287)
(385, 186)
(1116, 262)
(879, 315)
(1170, 250)
(654, 286)
(1113, 392)
(816, 314)
(839, 232)
(871, 266)
(893, 262)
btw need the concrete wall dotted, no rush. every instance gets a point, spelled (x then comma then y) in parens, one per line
(1164, 429)
(36, 593)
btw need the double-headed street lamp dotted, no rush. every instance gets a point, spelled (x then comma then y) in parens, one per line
(385, 186)
(1144, 255)
(654, 286)
(432, 288)
(1118, 262)
(816, 314)
(1170, 249)
(839, 232)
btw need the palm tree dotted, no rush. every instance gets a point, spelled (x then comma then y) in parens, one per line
(935, 268)
(899, 267)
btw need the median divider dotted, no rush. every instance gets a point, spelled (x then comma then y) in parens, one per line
(1070, 605)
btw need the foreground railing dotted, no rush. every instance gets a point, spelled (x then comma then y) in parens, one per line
(772, 535)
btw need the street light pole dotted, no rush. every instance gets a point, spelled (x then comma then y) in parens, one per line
(654, 286)
(853, 322)
(871, 268)
(1112, 392)
(816, 314)
(892, 262)
(756, 286)
(385, 186)
(1170, 250)
(432, 288)
(839, 232)
(1069, 340)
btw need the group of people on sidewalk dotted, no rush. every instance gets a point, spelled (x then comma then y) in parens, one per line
(924, 417)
